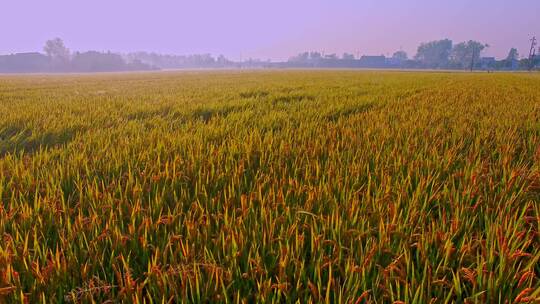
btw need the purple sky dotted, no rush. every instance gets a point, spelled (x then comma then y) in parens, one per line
(265, 29)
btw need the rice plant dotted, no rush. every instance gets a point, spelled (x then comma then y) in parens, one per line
(270, 187)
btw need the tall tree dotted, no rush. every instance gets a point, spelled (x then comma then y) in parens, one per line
(400, 55)
(467, 54)
(512, 59)
(434, 54)
(56, 49)
(512, 55)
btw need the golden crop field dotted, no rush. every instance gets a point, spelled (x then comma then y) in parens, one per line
(270, 187)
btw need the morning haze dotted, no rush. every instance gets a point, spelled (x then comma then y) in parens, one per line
(275, 30)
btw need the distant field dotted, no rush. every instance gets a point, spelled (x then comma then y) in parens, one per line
(270, 186)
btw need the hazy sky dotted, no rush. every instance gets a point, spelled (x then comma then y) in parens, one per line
(266, 29)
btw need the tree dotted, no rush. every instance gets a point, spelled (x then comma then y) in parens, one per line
(315, 55)
(93, 61)
(223, 61)
(512, 60)
(331, 57)
(400, 56)
(434, 54)
(56, 49)
(302, 57)
(347, 56)
(512, 55)
(523, 64)
(467, 54)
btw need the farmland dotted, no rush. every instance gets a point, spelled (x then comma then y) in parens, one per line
(270, 186)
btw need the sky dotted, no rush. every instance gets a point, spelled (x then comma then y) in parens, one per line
(266, 29)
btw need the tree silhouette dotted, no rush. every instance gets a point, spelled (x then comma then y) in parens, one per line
(56, 49)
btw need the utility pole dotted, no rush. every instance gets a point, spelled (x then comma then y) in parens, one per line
(532, 53)
(472, 57)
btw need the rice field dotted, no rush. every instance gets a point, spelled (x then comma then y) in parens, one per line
(270, 187)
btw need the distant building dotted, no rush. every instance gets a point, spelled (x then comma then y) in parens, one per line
(372, 62)
(514, 65)
(487, 63)
(24, 63)
(394, 62)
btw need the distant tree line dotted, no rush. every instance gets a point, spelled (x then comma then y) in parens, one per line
(58, 58)
(438, 54)
(179, 61)
(443, 54)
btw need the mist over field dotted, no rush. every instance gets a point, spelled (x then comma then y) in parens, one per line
(141, 35)
(276, 30)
